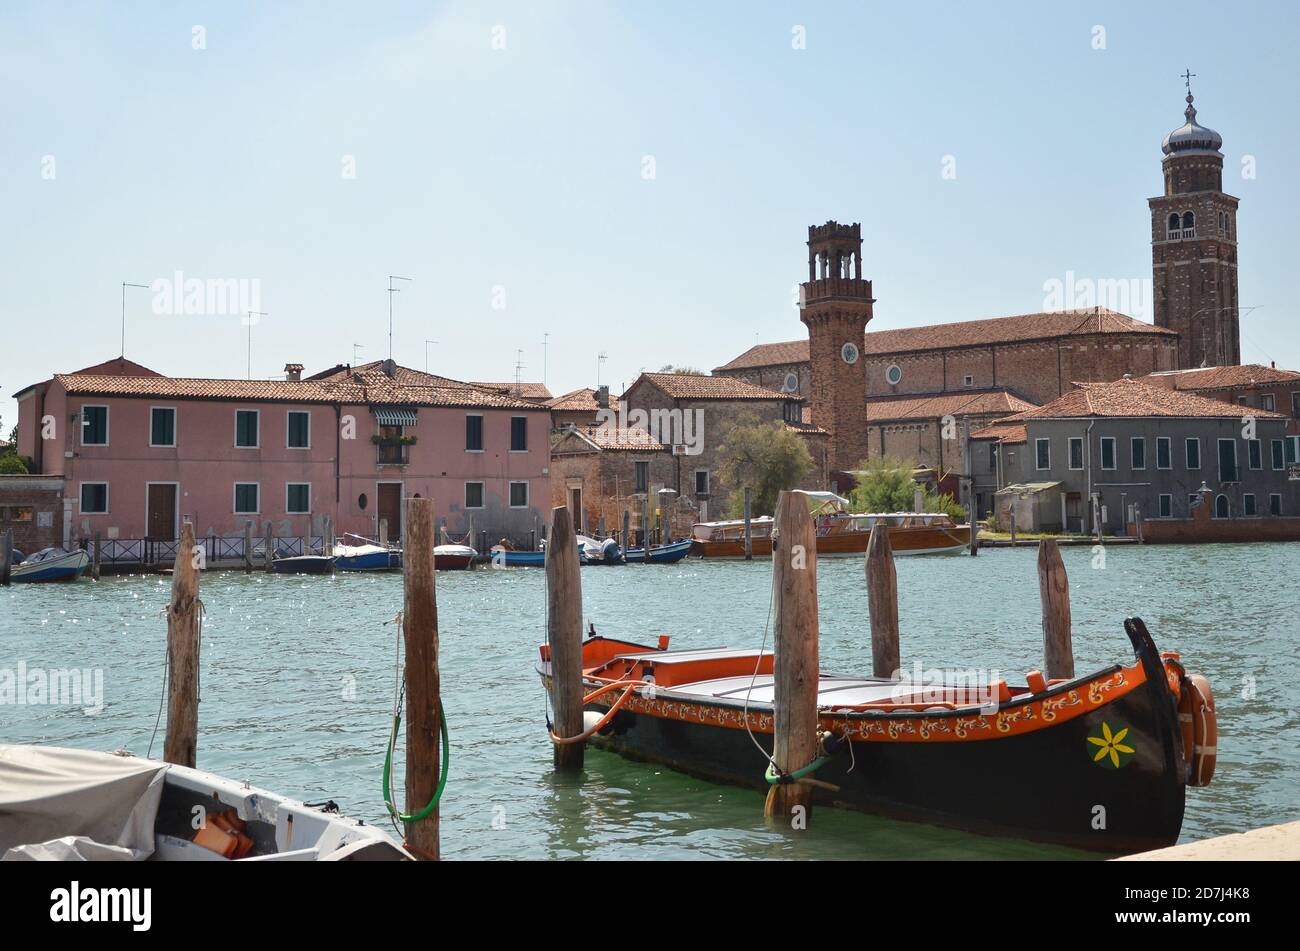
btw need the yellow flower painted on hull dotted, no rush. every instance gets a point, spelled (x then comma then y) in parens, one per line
(1108, 749)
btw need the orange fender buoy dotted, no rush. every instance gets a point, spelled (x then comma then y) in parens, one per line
(1200, 729)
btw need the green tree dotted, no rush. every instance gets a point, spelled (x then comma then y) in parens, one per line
(885, 484)
(764, 457)
(12, 464)
(685, 371)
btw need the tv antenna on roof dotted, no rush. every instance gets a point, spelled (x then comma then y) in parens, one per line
(125, 285)
(391, 291)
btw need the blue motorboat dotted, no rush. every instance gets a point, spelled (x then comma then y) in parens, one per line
(51, 564)
(367, 558)
(660, 554)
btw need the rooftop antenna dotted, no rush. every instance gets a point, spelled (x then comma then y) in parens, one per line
(391, 291)
(125, 285)
(253, 315)
(355, 348)
(600, 358)
(426, 353)
(519, 366)
(546, 339)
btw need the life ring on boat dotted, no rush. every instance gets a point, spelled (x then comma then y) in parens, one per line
(1200, 729)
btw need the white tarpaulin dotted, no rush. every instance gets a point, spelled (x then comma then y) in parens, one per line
(58, 803)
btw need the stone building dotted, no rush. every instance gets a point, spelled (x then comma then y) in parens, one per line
(32, 506)
(1116, 452)
(703, 408)
(600, 472)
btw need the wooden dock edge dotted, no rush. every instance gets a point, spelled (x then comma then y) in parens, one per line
(1279, 843)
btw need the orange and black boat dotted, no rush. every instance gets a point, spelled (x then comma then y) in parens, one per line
(1098, 762)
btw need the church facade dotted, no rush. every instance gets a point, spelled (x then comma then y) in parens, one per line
(919, 392)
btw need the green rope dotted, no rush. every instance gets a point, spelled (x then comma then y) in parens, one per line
(442, 773)
(775, 778)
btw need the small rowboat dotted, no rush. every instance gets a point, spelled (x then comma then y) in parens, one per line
(1098, 762)
(660, 554)
(506, 558)
(453, 557)
(303, 564)
(51, 564)
(61, 804)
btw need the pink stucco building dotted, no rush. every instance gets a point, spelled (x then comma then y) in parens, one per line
(139, 452)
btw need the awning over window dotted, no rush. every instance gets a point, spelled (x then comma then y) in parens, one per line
(393, 416)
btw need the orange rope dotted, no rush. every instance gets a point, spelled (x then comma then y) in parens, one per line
(589, 733)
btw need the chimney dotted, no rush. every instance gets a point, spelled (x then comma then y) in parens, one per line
(293, 372)
(390, 368)
(602, 397)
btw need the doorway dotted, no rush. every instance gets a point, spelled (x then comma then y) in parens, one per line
(160, 511)
(388, 506)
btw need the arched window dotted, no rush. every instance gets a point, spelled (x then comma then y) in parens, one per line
(1221, 506)
(1173, 221)
(1189, 221)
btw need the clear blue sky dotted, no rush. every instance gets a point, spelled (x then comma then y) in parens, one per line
(522, 168)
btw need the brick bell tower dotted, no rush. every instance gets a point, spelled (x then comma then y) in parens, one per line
(835, 305)
(1194, 247)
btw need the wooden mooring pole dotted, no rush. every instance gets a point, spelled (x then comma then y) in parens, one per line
(796, 671)
(564, 637)
(645, 529)
(626, 540)
(420, 629)
(749, 537)
(6, 556)
(882, 602)
(1054, 591)
(98, 542)
(183, 632)
(268, 551)
(248, 548)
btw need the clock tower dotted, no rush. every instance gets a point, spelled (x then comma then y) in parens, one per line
(835, 305)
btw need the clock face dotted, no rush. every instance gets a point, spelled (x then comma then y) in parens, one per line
(849, 353)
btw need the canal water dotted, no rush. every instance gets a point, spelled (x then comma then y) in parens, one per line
(297, 682)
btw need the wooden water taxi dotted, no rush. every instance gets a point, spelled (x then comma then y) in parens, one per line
(1097, 762)
(838, 533)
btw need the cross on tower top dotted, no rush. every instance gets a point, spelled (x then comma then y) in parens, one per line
(1187, 77)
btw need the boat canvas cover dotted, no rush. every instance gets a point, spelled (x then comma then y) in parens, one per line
(65, 804)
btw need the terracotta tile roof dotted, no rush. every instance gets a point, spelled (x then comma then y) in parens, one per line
(1221, 378)
(381, 391)
(1003, 433)
(612, 439)
(965, 333)
(1131, 398)
(935, 405)
(576, 400)
(690, 386)
(372, 374)
(119, 366)
(526, 391)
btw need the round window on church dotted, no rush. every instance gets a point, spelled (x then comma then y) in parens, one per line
(849, 353)
(791, 383)
(894, 374)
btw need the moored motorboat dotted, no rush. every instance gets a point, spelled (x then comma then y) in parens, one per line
(839, 532)
(453, 557)
(303, 564)
(367, 557)
(503, 557)
(660, 554)
(51, 564)
(603, 551)
(60, 804)
(1097, 762)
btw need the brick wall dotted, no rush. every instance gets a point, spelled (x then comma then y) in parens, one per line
(33, 507)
